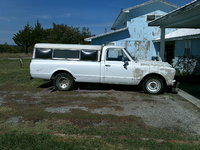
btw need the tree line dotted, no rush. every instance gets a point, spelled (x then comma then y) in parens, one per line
(58, 33)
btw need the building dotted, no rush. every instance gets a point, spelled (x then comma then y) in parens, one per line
(184, 41)
(181, 43)
(131, 30)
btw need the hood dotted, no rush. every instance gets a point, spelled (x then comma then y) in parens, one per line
(154, 63)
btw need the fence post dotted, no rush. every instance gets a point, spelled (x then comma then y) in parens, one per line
(21, 63)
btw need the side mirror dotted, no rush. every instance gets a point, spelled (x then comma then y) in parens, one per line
(125, 64)
(125, 59)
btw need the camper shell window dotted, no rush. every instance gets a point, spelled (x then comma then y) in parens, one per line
(42, 53)
(89, 55)
(66, 54)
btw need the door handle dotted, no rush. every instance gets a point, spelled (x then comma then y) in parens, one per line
(108, 65)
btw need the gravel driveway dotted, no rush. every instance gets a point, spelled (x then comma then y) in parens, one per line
(168, 111)
(163, 111)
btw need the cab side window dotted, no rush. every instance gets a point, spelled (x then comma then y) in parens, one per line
(116, 55)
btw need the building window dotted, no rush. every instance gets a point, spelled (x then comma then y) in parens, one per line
(187, 50)
(153, 17)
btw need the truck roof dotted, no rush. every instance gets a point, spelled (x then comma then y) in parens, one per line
(68, 46)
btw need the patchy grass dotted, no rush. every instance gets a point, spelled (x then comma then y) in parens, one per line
(31, 141)
(13, 77)
(84, 130)
(64, 135)
(17, 140)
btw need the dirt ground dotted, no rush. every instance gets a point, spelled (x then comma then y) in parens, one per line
(166, 111)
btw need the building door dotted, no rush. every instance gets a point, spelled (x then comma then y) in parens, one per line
(169, 51)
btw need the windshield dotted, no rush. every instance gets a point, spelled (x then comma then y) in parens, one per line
(129, 54)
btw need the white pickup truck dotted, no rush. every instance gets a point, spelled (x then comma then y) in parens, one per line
(66, 64)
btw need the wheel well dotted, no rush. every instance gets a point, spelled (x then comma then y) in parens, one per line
(60, 71)
(153, 75)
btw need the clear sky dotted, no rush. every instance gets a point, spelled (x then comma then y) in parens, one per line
(94, 14)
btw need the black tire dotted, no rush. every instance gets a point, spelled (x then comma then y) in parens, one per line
(153, 85)
(63, 82)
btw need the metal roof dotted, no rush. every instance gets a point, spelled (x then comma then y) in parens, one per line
(187, 16)
(181, 34)
(105, 34)
(149, 2)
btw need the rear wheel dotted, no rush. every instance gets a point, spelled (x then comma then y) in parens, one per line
(63, 82)
(153, 85)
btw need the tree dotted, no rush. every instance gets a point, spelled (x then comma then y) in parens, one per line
(65, 34)
(59, 33)
(85, 34)
(24, 37)
(38, 33)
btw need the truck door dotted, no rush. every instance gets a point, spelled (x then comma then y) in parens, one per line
(117, 67)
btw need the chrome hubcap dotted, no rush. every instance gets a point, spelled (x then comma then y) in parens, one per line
(153, 85)
(63, 82)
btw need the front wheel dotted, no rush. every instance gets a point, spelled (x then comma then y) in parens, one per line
(153, 85)
(63, 82)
